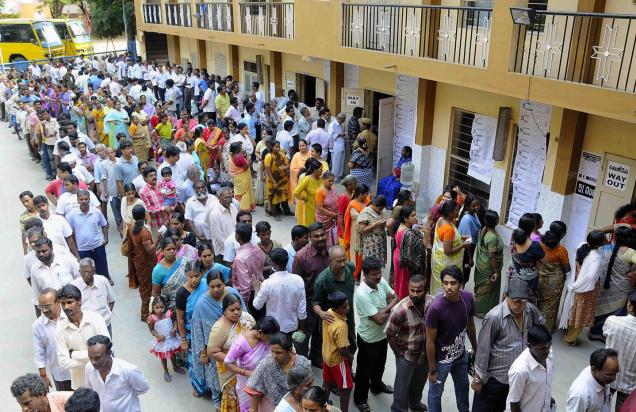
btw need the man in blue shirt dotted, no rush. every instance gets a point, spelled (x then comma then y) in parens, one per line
(249, 120)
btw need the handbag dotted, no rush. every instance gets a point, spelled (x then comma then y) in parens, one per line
(125, 245)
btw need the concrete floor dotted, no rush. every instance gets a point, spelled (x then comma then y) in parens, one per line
(131, 338)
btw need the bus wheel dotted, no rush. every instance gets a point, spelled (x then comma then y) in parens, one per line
(17, 58)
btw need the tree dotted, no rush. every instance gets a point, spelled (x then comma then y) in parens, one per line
(107, 19)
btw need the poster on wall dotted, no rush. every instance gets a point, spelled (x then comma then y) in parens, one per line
(405, 114)
(527, 172)
(483, 134)
(617, 175)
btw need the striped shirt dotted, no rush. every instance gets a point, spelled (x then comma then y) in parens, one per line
(621, 335)
(152, 198)
(406, 324)
(500, 341)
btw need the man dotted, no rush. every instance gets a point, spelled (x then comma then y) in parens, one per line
(299, 238)
(448, 320)
(309, 262)
(68, 202)
(233, 111)
(530, 375)
(230, 246)
(285, 138)
(151, 196)
(248, 263)
(139, 181)
(620, 332)
(502, 338)
(221, 101)
(49, 134)
(369, 136)
(304, 123)
(87, 158)
(197, 211)
(55, 189)
(83, 400)
(32, 394)
(71, 333)
(373, 302)
(117, 382)
(284, 294)
(97, 293)
(337, 145)
(222, 221)
(353, 127)
(124, 171)
(319, 135)
(249, 120)
(44, 341)
(172, 156)
(56, 227)
(186, 190)
(406, 335)
(53, 270)
(91, 232)
(590, 391)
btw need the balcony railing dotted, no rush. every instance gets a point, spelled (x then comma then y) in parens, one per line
(452, 34)
(268, 19)
(179, 14)
(152, 13)
(215, 16)
(590, 48)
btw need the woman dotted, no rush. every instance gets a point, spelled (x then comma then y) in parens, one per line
(116, 121)
(327, 207)
(209, 146)
(372, 229)
(163, 131)
(127, 204)
(403, 198)
(239, 168)
(206, 256)
(580, 304)
(361, 163)
(316, 399)
(618, 277)
(223, 334)
(349, 183)
(78, 115)
(98, 115)
(244, 137)
(298, 380)
(389, 186)
(268, 383)
(488, 265)
(553, 270)
(526, 255)
(297, 163)
(538, 222)
(448, 246)
(187, 297)
(177, 222)
(187, 252)
(208, 310)
(306, 192)
(276, 181)
(408, 257)
(351, 243)
(316, 152)
(469, 226)
(141, 258)
(247, 351)
(26, 198)
(169, 274)
(260, 152)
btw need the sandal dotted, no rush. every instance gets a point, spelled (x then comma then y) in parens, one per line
(167, 377)
(196, 394)
(363, 407)
(180, 370)
(570, 343)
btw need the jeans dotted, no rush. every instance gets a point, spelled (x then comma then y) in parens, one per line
(48, 161)
(410, 378)
(492, 397)
(115, 206)
(459, 370)
(99, 256)
(371, 360)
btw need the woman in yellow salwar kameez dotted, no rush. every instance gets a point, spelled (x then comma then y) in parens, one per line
(351, 238)
(276, 180)
(98, 116)
(242, 176)
(297, 163)
(306, 192)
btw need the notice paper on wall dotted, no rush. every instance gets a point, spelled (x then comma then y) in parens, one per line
(527, 172)
(405, 114)
(481, 163)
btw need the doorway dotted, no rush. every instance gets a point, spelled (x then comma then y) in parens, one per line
(306, 89)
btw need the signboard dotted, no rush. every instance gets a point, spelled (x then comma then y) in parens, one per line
(353, 100)
(617, 175)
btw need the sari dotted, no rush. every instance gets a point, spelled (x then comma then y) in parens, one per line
(278, 163)
(259, 185)
(242, 176)
(306, 214)
(176, 277)
(297, 163)
(440, 260)
(98, 116)
(191, 303)
(350, 239)
(222, 336)
(408, 258)
(329, 200)
(270, 381)
(374, 243)
(77, 116)
(204, 377)
(248, 358)
(209, 156)
(551, 283)
(115, 123)
(343, 202)
(363, 170)
(487, 292)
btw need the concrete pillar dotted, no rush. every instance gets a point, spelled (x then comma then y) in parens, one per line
(235, 63)
(203, 54)
(568, 156)
(276, 72)
(336, 83)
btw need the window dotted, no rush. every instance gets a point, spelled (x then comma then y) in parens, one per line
(477, 17)
(18, 33)
(459, 156)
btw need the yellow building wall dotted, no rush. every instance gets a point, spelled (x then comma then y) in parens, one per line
(611, 136)
(218, 57)
(295, 64)
(377, 80)
(171, 42)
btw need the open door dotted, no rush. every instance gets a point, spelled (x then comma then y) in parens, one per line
(615, 188)
(386, 121)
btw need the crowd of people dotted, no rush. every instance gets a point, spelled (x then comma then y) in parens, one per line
(181, 159)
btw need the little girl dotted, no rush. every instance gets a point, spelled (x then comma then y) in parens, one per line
(168, 189)
(163, 327)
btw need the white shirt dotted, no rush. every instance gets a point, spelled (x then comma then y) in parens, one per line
(62, 271)
(67, 203)
(530, 383)
(121, 389)
(198, 213)
(621, 334)
(587, 395)
(135, 92)
(230, 246)
(114, 88)
(139, 182)
(45, 349)
(222, 222)
(284, 294)
(209, 96)
(291, 254)
(57, 229)
(320, 136)
(178, 174)
(247, 143)
(286, 141)
(233, 113)
(336, 141)
(97, 297)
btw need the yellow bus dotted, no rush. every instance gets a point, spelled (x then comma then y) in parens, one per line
(22, 40)
(77, 40)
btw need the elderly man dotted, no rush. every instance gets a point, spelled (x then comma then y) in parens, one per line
(197, 210)
(590, 391)
(32, 394)
(186, 190)
(337, 145)
(222, 222)
(71, 333)
(53, 270)
(91, 232)
(56, 227)
(117, 382)
(44, 341)
(97, 292)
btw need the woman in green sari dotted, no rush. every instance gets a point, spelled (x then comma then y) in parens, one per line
(488, 264)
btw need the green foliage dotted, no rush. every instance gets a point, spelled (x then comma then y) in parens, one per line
(107, 19)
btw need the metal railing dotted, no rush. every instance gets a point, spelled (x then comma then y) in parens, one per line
(268, 19)
(179, 14)
(23, 64)
(214, 16)
(590, 48)
(452, 34)
(152, 13)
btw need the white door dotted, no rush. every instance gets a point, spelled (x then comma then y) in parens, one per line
(290, 82)
(615, 188)
(320, 90)
(386, 121)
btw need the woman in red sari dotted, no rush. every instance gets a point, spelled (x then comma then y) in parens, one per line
(327, 207)
(209, 146)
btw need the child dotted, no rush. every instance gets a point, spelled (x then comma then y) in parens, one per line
(168, 189)
(336, 368)
(167, 342)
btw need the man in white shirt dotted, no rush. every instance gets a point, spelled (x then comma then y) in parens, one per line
(53, 270)
(337, 145)
(319, 135)
(72, 333)
(56, 227)
(231, 245)
(284, 294)
(530, 376)
(208, 102)
(300, 237)
(285, 138)
(172, 155)
(67, 204)
(117, 382)
(44, 341)
(197, 210)
(222, 222)
(97, 293)
(233, 111)
(590, 391)
(114, 87)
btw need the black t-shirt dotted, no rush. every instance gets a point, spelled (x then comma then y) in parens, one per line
(181, 298)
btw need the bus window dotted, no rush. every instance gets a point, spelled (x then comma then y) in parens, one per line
(78, 31)
(61, 30)
(47, 34)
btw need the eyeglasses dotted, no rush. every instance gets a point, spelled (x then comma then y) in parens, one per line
(45, 307)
